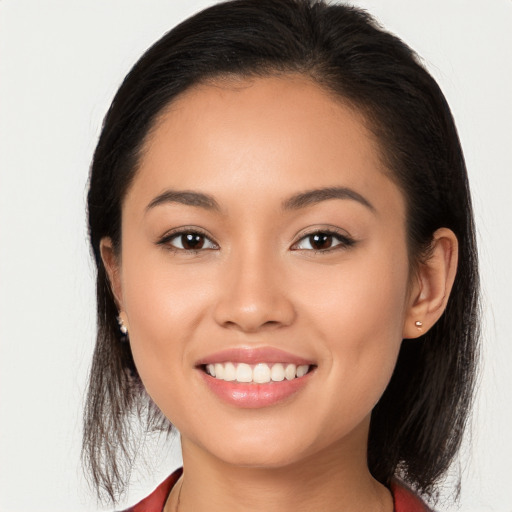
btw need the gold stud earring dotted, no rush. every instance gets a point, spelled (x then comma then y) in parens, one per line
(418, 324)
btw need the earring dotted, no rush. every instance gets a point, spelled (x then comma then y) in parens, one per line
(122, 327)
(418, 324)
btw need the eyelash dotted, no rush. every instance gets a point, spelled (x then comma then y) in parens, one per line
(169, 237)
(344, 240)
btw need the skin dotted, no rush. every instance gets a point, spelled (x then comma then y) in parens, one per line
(252, 145)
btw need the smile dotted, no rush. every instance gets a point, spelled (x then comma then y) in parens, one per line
(260, 373)
(255, 377)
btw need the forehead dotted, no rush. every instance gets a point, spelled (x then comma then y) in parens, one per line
(272, 136)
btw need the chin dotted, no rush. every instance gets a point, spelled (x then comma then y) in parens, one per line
(259, 457)
(258, 448)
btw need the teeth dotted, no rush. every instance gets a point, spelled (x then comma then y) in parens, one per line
(229, 371)
(301, 371)
(243, 373)
(290, 372)
(260, 373)
(277, 372)
(219, 371)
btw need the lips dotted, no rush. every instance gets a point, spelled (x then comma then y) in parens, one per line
(255, 377)
(250, 355)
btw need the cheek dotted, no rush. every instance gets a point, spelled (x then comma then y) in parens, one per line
(163, 305)
(359, 314)
(364, 294)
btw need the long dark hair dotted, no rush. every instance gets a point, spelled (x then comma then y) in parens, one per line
(416, 427)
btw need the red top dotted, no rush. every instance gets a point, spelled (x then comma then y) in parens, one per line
(403, 498)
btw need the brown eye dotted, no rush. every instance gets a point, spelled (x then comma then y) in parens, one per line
(323, 241)
(190, 241)
(320, 241)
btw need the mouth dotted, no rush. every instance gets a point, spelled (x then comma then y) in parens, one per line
(260, 373)
(252, 378)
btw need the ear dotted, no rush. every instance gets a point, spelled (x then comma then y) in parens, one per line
(432, 285)
(112, 266)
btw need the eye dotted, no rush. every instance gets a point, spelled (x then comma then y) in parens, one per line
(323, 241)
(192, 241)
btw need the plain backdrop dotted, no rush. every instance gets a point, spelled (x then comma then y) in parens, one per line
(60, 64)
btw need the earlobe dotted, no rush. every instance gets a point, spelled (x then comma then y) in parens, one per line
(111, 264)
(434, 281)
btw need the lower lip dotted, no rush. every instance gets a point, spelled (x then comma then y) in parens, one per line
(253, 396)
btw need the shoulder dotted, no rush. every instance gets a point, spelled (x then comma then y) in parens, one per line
(156, 500)
(406, 500)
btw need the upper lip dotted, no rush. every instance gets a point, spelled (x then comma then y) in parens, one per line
(253, 355)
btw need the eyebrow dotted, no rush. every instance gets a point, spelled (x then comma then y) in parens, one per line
(295, 202)
(311, 197)
(186, 197)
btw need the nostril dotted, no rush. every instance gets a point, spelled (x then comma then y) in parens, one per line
(253, 327)
(253, 307)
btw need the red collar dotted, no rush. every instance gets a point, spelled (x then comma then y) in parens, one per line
(405, 500)
(156, 500)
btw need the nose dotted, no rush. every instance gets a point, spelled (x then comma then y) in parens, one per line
(253, 296)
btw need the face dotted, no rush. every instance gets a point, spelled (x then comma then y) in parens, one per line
(262, 241)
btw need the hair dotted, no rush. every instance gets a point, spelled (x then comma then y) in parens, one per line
(417, 426)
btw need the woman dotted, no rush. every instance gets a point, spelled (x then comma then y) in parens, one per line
(281, 221)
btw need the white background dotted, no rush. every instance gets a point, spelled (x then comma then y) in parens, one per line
(60, 64)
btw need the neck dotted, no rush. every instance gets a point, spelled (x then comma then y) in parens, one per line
(333, 480)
